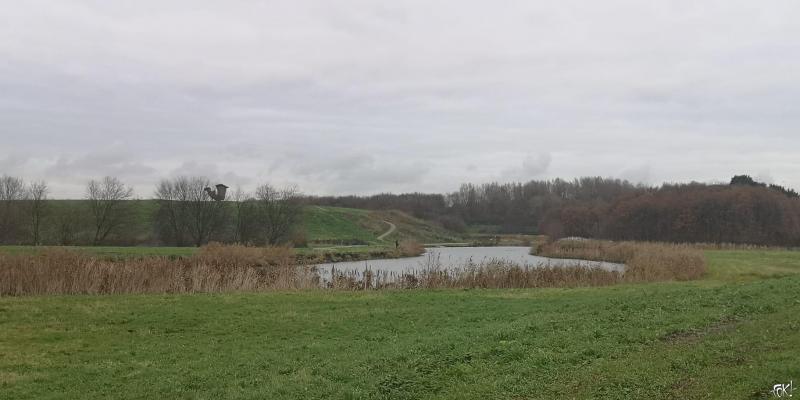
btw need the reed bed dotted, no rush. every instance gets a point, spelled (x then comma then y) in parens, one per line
(493, 275)
(215, 269)
(228, 268)
(645, 262)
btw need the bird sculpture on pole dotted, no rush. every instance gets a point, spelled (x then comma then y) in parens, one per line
(219, 194)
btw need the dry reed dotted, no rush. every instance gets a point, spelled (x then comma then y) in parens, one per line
(645, 262)
(410, 248)
(493, 275)
(215, 269)
(223, 268)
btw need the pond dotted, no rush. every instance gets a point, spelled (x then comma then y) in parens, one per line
(460, 257)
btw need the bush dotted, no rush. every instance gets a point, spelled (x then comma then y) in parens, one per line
(410, 248)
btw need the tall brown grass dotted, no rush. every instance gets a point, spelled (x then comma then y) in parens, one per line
(410, 248)
(216, 268)
(495, 275)
(645, 262)
(224, 268)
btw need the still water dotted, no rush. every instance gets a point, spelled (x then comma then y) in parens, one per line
(460, 257)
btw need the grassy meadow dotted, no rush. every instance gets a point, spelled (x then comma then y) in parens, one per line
(733, 334)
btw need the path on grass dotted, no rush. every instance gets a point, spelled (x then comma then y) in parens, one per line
(392, 228)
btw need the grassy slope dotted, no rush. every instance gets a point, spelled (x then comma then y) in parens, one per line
(338, 224)
(349, 224)
(325, 227)
(733, 335)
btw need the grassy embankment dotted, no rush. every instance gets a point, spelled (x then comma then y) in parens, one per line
(333, 234)
(733, 334)
(337, 234)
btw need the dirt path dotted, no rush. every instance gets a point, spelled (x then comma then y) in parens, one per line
(392, 228)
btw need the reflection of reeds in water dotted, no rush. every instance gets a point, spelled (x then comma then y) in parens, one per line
(491, 273)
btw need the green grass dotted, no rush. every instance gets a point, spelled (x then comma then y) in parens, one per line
(334, 224)
(733, 335)
(327, 225)
(748, 265)
(112, 251)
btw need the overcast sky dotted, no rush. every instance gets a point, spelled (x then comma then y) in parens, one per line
(343, 97)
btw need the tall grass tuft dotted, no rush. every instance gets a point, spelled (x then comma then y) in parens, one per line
(645, 262)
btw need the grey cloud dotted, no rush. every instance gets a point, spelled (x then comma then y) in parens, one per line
(639, 173)
(362, 97)
(530, 167)
(210, 170)
(534, 166)
(361, 173)
(13, 164)
(112, 163)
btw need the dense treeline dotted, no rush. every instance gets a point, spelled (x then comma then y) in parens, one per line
(700, 213)
(745, 211)
(506, 207)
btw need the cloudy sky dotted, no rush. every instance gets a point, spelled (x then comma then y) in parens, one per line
(365, 96)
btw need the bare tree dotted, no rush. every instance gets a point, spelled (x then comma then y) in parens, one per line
(187, 212)
(36, 197)
(107, 204)
(245, 229)
(172, 217)
(12, 192)
(280, 211)
(67, 221)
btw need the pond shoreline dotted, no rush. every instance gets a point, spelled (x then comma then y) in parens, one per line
(462, 257)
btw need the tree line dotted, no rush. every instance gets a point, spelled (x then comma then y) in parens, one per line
(181, 213)
(743, 211)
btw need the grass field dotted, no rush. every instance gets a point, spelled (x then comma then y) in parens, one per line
(114, 251)
(732, 335)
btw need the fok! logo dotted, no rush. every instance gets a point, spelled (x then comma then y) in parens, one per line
(782, 390)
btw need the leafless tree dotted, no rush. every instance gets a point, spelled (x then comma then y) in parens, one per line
(280, 211)
(107, 199)
(68, 221)
(172, 217)
(245, 227)
(36, 202)
(187, 212)
(12, 192)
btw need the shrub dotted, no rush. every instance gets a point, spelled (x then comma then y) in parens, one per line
(410, 248)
